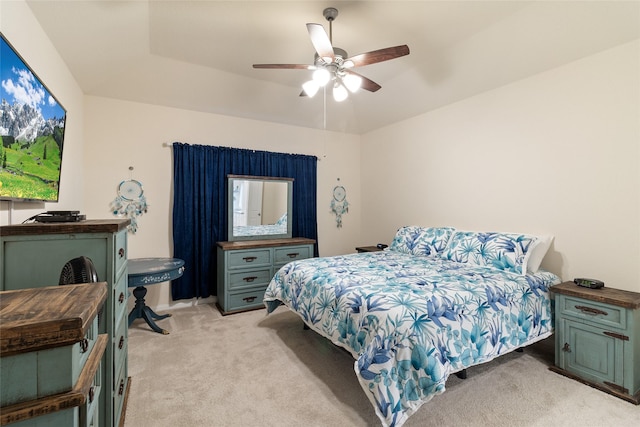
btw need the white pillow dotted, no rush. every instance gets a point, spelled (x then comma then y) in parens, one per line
(538, 252)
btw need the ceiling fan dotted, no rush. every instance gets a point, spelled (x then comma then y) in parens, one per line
(332, 65)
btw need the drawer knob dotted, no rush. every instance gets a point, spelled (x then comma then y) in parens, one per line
(591, 311)
(84, 345)
(121, 298)
(250, 278)
(92, 393)
(249, 299)
(566, 347)
(121, 252)
(121, 388)
(121, 343)
(293, 255)
(249, 258)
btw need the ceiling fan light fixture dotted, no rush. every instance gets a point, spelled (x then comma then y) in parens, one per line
(321, 76)
(339, 92)
(311, 88)
(333, 64)
(352, 82)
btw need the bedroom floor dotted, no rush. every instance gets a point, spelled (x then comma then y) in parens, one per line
(251, 369)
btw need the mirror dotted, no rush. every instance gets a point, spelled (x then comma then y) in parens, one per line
(259, 207)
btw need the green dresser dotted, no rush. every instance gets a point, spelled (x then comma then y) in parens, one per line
(245, 269)
(33, 255)
(50, 356)
(598, 338)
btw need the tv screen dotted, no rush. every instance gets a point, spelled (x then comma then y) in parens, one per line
(32, 131)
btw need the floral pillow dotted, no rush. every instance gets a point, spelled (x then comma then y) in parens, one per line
(432, 241)
(421, 241)
(405, 239)
(504, 251)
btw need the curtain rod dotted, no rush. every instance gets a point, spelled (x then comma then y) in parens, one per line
(170, 144)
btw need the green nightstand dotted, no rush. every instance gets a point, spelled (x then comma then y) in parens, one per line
(598, 338)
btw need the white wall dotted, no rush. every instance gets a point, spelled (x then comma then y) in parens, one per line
(119, 134)
(21, 29)
(555, 153)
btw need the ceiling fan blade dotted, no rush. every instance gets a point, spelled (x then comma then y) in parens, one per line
(367, 84)
(379, 55)
(321, 42)
(286, 66)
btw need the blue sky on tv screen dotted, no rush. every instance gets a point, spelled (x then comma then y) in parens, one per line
(18, 84)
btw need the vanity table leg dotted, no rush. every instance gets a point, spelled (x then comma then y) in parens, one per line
(142, 311)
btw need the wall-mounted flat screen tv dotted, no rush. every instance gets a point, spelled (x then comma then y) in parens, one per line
(32, 132)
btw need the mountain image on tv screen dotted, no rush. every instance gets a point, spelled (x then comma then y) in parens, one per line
(32, 132)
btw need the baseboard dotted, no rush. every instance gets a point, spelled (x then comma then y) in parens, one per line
(186, 303)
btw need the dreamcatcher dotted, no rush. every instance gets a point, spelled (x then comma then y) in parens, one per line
(130, 201)
(339, 204)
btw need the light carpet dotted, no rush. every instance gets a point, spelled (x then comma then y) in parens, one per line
(250, 369)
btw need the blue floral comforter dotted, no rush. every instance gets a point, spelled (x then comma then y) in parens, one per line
(412, 321)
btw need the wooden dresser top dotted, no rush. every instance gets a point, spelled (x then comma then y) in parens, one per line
(619, 297)
(86, 226)
(39, 318)
(267, 243)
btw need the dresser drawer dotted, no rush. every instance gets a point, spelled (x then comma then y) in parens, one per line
(291, 253)
(33, 375)
(120, 295)
(596, 313)
(249, 278)
(120, 252)
(245, 300)
(120, 346)
(89, 412)
(253, 258)
(119, 394)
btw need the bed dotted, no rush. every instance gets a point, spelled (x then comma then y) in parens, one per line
(436, 302)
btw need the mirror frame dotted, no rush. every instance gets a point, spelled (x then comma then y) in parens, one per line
(231, 179)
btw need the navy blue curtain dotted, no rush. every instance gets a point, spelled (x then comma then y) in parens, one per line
(200, 205)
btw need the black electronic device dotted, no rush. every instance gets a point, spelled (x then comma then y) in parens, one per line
(382, 246)
(588, 283)
(60, 216)
(62, 212)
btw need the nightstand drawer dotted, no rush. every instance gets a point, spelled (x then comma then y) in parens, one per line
(597, 313)
(249, 278)
(254, 258)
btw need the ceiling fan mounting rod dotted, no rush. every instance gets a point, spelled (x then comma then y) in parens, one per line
(330, 15)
